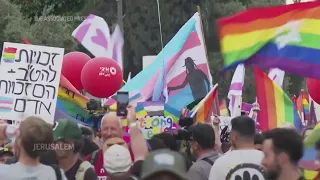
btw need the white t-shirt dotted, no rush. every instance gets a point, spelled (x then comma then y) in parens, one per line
(237, 163)
(19, 171)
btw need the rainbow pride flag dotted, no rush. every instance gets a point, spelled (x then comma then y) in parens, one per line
(204, 109)
(71, 102)
(223, 108)
(284, 37)
(66, 109)
(68, 92)
(303, 106)
(9, 54)
(276, 107)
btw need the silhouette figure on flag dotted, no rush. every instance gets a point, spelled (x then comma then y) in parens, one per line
(196, 79)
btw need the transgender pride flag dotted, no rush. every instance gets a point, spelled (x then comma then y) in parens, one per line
(180, 68)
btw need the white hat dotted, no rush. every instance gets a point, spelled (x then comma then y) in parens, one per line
(117, 159)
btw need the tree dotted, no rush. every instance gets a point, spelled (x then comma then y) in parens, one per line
(7, 11)
(296, 83)
(51, 33)
(41, 33)
(266, 3)
(211, 12)
(33, 8)
(142, 35)
(105, 9)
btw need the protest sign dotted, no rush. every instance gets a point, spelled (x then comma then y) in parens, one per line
(154, 125)
(29, 81)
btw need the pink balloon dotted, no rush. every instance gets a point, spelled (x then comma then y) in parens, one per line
(72, 66)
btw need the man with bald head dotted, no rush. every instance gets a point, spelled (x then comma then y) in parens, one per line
(111, 127)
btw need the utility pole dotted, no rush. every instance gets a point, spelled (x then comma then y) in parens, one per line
(120, 14)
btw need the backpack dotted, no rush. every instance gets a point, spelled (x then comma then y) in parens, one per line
(84, 166)
(57, 170)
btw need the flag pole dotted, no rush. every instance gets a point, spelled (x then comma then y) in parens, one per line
(202, 32)
(216, 99)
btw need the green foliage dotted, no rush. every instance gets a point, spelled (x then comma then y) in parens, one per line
(210, 12)
(14, 26)
(265, 3)
(296, 84)
(32, 8)
(41, 33)
(102, 8)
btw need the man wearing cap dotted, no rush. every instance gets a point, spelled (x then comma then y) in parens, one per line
(5, 154)
(68, 145)
(118, 162)
(164, 164)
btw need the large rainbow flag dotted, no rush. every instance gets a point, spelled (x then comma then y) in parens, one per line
(276, 107)
(284, 37)
(185, 50)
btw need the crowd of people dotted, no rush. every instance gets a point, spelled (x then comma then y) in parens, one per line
(67, 151)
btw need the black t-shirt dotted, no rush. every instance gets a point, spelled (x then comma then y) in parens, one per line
(90, 174)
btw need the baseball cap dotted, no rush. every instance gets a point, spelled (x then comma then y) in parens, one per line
(117, 159)
(164, 160)
(5, 150)
(66, 129)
